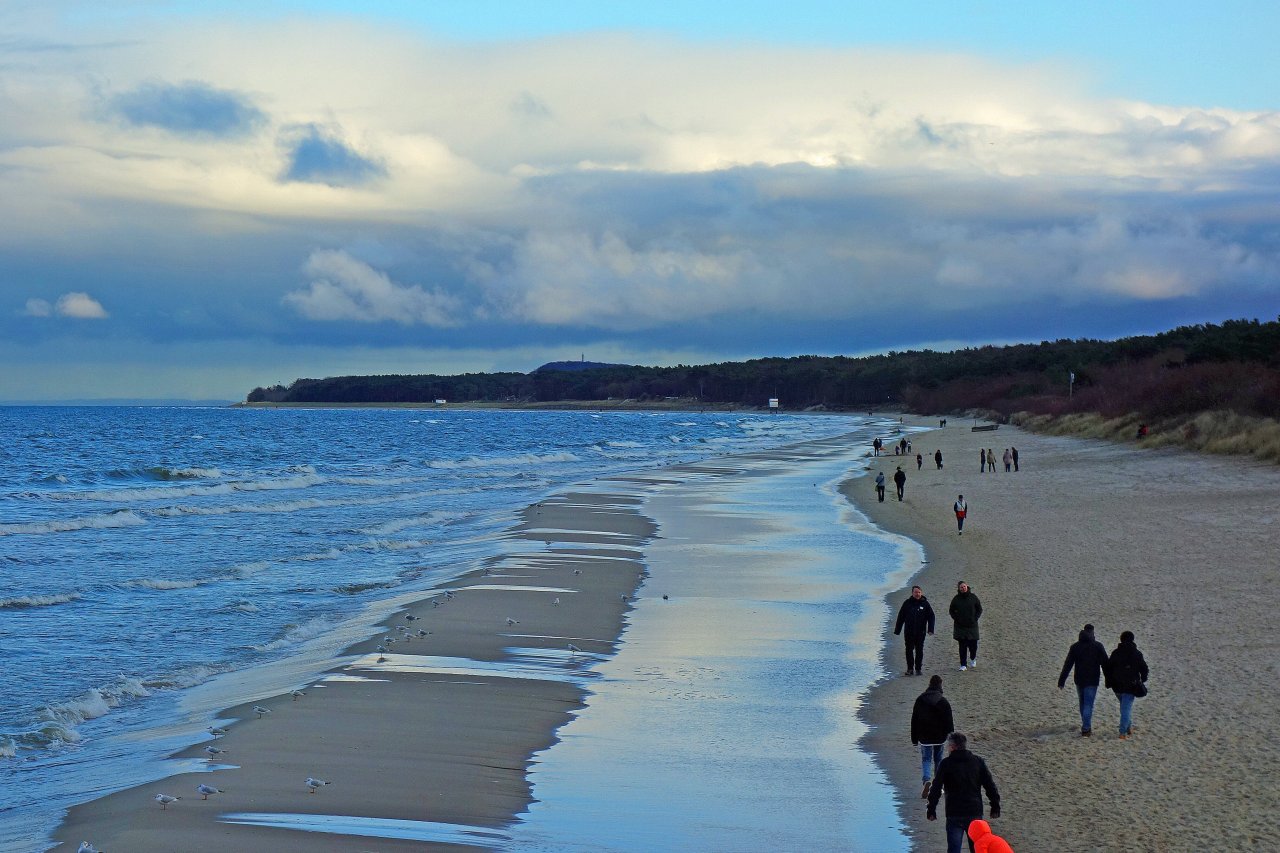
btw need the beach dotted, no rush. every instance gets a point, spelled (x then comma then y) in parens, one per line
(1178, 548)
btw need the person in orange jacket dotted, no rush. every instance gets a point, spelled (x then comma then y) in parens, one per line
(986, 841)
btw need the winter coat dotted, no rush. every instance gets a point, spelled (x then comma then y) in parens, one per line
(966, 610)
(1089, 658)
(964, 776)
(986, 841)
(916, 616)
(1126, 669)
(900, 477)
(931, 719)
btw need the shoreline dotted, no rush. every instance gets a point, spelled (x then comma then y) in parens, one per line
(1172, 545)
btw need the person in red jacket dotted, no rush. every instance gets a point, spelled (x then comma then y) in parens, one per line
(986, 841)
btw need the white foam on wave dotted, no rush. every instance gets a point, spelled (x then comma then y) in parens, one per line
(106, 520)
(294, 634)
(165, 583)
(24, 601)
(636, 444)
(289, 506)
(494, 461)
(164, 493)
(93, 703)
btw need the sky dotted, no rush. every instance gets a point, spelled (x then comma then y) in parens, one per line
(200, 198)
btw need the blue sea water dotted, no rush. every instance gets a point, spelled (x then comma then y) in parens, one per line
(144, 551)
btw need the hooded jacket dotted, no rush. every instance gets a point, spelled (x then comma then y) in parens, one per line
(916, 615)
(931, 719)
(1126, 669)
(986, 841)
(966, 610)
(1089, 658)
(964, 776)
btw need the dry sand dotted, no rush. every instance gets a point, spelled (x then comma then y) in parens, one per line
(425, 747)
(1178, 548)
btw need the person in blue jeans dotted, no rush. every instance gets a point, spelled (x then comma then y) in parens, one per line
(964, 777)
(931, 723)
(1089, 659)
(1127, 675)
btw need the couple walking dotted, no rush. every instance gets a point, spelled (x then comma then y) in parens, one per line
(916, 619)
(1125, 670)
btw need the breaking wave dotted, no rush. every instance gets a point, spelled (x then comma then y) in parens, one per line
(496, 461)
(118, 518)
(294, 634)
(24, 601)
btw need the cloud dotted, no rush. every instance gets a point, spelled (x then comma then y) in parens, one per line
(81, 306)
(318, 156)
(344, 288)
(38, 308)
(190, 108)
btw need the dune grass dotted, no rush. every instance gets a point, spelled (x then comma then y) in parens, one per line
(1221, 432)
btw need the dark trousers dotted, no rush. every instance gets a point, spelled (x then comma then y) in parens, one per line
(958, 832)
(915, 652)
(900, 488)
(880, 493)
(968, 651)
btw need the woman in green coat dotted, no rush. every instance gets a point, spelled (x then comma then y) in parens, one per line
(966, 610)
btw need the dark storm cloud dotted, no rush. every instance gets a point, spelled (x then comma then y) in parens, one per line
(191, 108)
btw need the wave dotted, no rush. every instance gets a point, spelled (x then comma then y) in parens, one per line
(494, 461)
(293, 634)
(624, 444)
(241, 606)
(25, 601)
(290, 506)
(164, 474)
(117, 518)
(164, 493)
(165, 583)
(357, 588)
(61, 720)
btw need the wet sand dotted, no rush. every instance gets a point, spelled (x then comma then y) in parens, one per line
(1178, 548)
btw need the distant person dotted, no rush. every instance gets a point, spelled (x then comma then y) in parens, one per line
(1088, 658)
(982, 461)
(1008, 461)
(962, 511)
(1014, 452)
(1127, 676)
(900, 480)
(876, 445)
(964, 776)
(916, 618)
(937, 459)
(991, 461)
(983, 840)
(931, 724)
(965, 612)
(880, 486)
(919, 461)
(903, 444)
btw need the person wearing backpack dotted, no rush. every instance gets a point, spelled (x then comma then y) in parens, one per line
(1127, 676)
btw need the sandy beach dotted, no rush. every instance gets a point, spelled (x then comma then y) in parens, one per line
(1178, 548)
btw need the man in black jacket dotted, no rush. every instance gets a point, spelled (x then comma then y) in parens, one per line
(916, 616)
(931, 723)
(900, 480)
(964, 776)
(1089, 659)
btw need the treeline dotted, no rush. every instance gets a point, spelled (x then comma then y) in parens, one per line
(1233, 365)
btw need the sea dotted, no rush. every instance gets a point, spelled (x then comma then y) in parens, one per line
(146, 552)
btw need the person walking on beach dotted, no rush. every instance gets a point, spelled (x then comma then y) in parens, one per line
(962, 511)
(880, 486)
(931, 724)
(1089, 659)
(1014, 452)
(983, 840)
(876, 445)
(982, 461)
(1127, 676)
(964, 776)
(915, 616)
(900, 480)
(1008, 461)
(991, 461)
(937, 459)
(965, 611)
(919, 461)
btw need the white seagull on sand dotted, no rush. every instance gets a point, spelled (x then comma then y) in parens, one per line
(165, 799)
(86, 847)
(214, 751)
(206, 790)
(573, 649)
(261, 711)
(297, 694)
(314, 783)
(217, 731)
(511, 621)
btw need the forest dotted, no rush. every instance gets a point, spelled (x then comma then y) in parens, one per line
(1231, 366)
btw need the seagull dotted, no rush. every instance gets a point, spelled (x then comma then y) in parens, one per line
(577, 571)
(435, 602)
(574, 649)
(623, 596)
(165, 799)
(403, 629)
(261, 711)
(511, 621)
(448, 594)
(389, 640)
(422, 633)
(214, 752)
(409, 617)
(86, 847)
(217, 731)
(297, 694)
(206, 790)
(557, 601)
(314, 783)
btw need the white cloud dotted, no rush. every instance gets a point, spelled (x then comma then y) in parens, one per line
(81, 306)
(344, 288)
(38, 308)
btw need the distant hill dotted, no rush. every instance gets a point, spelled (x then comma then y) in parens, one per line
(572, 366)
(1233, 367)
